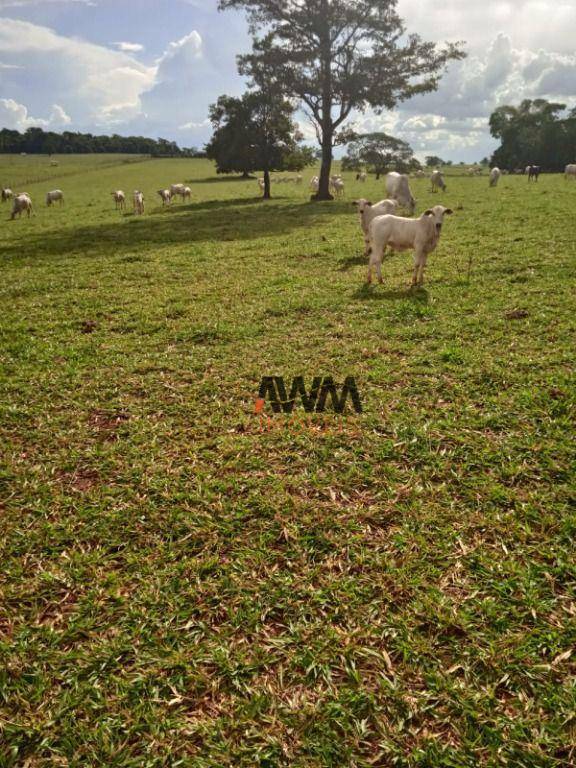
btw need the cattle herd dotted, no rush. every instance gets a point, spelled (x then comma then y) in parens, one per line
(381, 227)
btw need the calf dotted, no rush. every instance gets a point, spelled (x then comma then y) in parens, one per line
(22, 202)
(437, 181)
(368, 211)
(6, 194)
(165, 196)
(138, 202)
(119, 199)
(402, 234)
(53, 196)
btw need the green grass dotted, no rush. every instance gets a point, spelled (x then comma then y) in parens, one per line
(180, 587)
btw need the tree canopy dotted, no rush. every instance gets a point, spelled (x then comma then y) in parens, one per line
(536, 132)
(336, 56)
(256, 132)
(37, 141)
(379, 153)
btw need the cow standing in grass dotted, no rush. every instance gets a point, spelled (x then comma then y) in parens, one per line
(402, 234)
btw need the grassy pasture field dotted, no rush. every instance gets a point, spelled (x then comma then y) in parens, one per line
(184, 583)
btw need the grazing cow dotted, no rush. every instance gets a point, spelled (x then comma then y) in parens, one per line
(419, 174)
(138, 202)
(398, 189)
(337, 186)
(119, 199)
(570, 171)
(362, 176)
(165, 196)
(53, 196)
(368, 211)
(437, 181)
(176, 189)
(6, 194)
(401, 234)
(494, 178)
(533, 172)
(22, 202)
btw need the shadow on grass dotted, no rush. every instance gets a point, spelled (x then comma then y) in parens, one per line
(376, 293)
(221, 179)
(237, 219)
(352, 261)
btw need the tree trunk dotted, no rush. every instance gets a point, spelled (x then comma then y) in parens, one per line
(327, 126)
(245, 175)
(324, 184)
(267, 194)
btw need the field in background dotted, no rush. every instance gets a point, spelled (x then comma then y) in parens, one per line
(183, 584)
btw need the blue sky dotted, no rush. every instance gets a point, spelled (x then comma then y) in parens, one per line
(152, 67)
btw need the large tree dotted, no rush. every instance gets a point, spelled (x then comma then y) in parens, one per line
(256, 132)
(535, 132)
(336, 56)
(379, 153)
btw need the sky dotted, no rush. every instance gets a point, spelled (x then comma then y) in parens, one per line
(152, 67)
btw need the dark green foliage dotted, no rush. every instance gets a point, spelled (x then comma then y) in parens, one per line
(537, 132)
(256, 133)
(379, 153)
(35, 141)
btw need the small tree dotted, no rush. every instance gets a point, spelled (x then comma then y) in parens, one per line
(255, 133)
(433, 161)
(336, 56)
(379, 153)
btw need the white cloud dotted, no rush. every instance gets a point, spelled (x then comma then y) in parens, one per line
(453, 121)
(91, 82)
(15, 116)
(23, 3)
(129, 47)
(192, 126)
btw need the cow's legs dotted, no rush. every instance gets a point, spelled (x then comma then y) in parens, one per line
(376, 262)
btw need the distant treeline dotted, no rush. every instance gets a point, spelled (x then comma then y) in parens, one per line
(36, 141)
(535, 133)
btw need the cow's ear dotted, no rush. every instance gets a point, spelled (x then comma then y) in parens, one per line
(369, 203)
(428, 213)
(448, 211)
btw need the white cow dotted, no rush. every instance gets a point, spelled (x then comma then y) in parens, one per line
(138, 202)
(437, 181)
(495, 174)
(401, 234)
(6, 194)
(419, 174)
(315, 183)
(368, 211)
(53, 196)
(570, 171)
(165, 196)
(22, 202)
(362, 176)
(398, 188)
(337, 186)
(119, 199)
(176, 189)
